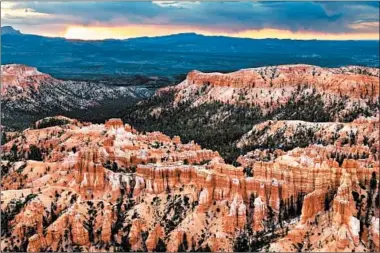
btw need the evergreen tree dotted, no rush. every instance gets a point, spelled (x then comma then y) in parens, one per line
(184, 245)
(252, 201)
(373, 182)
(280, 212)
(3, 138)
(368, 209)
(114, 167)
(206, 249)
(125, 245)
(299, 204)
(34, 153)
(14, 154)
(241, 243)
(327, 202)
(161, 246)
(292, 211)
(377, 200)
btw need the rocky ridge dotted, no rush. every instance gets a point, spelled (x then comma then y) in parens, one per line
(272, 87)
(29, 95)
(288, 134)
(22, 78)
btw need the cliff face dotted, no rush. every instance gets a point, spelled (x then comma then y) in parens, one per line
(109, 187)
(269, 88)
(22, 78)
(354, 82)
(329, 79)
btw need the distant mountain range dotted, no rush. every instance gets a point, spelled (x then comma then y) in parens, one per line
(9, 30)
(172, 55)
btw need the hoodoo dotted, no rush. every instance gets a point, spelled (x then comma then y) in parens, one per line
(108, 182)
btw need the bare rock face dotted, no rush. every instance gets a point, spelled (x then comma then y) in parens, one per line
(313, 204)
(22, 77)
(32, 217)
(152, 240)
(74, 186)
(317, 179)
(135, 233)
(89, 173)
(343, 208)
(287, 75)
(114, 123)
(236, 218)
(270, 88)
(37, 243)
(375, 231)
(107, 221)
(80, 234)
(343, 205)
(259, 214)
(176, 240)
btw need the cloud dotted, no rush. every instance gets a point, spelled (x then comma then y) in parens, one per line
(227, 17)
(178, 4)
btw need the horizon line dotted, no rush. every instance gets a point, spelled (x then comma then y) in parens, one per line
(180, 33)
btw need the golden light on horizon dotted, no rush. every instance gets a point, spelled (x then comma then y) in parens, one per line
(305, 35)
(123, 32)
(131, 31)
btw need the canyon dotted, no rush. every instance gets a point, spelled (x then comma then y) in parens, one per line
(304, 173)
(104, 187)
(223, 111)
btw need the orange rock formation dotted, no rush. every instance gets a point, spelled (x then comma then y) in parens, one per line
(106, 183)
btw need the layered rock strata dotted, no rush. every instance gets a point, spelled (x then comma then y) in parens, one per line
(108, 187)
(271, 87)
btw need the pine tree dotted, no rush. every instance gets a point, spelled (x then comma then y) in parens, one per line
(184, 245)
(241, 243)
(161, 246)
(14, 154)
(373, 182)
(377, 200)
(3, 138)
(34, 153)
(327, 202)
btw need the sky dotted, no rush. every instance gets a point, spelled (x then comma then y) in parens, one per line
(119, 20)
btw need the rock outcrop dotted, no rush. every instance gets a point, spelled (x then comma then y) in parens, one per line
(342, 91)
(22, 77)
(291, 133)
(355, 80)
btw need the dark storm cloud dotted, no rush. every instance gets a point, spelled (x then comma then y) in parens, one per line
(326, 17)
